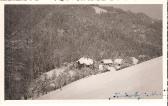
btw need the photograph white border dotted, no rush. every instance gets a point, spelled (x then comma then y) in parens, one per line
(118, 102)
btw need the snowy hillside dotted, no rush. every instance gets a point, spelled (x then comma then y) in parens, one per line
(40, 39)
(142, 78)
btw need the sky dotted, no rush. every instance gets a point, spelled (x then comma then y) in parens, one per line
(152, 10)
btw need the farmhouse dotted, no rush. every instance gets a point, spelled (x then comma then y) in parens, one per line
(84, 62)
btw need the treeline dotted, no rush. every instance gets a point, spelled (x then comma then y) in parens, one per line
(41, 38)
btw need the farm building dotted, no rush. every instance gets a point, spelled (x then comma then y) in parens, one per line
(106, 65)
(107, 61)
(84, 62)
(118, 61)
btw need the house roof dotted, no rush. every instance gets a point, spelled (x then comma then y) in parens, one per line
(107, 61)
(118, 61)
(86, 61)
(134, 60)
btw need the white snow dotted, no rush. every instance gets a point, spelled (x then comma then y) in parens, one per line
(86, 61)
(107, 61)
(134, 60)
(117, 67)
(143, 77)
(100, 67)
(111, 68)
(99, 10)
(118, 61)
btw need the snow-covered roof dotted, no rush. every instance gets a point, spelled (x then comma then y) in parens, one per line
(86, 61)
(99, 10)
(134, 60)
(118, 61)
(107, 61)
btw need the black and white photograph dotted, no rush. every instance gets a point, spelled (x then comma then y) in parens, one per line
(83, 52)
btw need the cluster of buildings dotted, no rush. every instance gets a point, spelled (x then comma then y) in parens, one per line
(106, 64)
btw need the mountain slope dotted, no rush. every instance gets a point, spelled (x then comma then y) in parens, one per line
(144, 77)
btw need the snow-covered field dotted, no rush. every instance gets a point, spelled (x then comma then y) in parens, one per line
(142, 78)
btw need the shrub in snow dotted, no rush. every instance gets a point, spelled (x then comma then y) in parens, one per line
(54, 75)
(68, 79)
(143, 58)
(49, 88)
(72, 74)
(96, 65)
(60, 81)
(86, 71)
